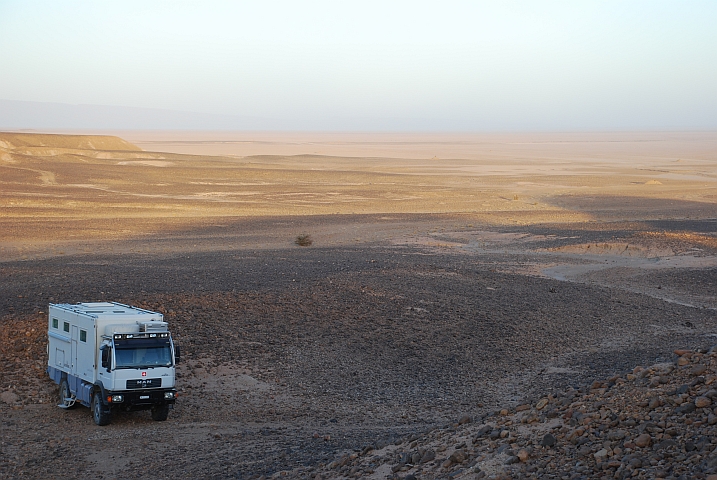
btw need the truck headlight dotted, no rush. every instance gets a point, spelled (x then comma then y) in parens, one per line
(168, 395)
(117, 398)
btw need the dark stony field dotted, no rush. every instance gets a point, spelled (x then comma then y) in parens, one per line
(293, 356)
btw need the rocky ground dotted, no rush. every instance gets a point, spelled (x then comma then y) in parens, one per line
(349, 361)
(655, 422)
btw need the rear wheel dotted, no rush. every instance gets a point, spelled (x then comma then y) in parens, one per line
(160, 413)
(99, 413)
(65, 397)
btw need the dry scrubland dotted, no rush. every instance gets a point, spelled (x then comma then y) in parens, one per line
(463, 297)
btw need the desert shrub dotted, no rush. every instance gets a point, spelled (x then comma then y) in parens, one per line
(304, 240)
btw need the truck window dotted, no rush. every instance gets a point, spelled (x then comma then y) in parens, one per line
(66, 326)
(55, 323)
(83, 335)
(142, 353)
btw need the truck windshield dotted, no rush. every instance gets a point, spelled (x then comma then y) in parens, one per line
(142, 353)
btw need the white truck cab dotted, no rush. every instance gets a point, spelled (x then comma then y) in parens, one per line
(110, 356)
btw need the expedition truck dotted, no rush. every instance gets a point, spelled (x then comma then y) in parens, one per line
(110, 356)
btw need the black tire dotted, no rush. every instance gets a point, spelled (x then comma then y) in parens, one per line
(160, 413)
(99, 413)
(64, 394)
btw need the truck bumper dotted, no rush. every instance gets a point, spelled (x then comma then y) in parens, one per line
(141, 400)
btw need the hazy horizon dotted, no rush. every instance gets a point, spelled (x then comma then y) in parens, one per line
(369, 66)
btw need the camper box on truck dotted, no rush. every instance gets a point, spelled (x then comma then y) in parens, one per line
(109, 356)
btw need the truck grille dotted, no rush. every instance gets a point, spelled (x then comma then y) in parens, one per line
(144, 383)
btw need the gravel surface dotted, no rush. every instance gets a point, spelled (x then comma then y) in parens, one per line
(654, 422)
(293, 357)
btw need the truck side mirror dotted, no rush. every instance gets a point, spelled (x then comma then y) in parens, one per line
(177, 353)
(105, 358)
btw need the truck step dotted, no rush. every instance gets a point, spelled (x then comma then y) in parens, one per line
(69, 402)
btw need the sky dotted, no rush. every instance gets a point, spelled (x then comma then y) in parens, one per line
(365, 65)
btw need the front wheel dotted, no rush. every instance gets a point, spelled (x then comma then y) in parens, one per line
(99, 413)
(160, 413)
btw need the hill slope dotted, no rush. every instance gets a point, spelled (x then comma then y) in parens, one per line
(12, 141)
(655, 422)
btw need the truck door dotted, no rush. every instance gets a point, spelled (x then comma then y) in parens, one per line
(73, 354)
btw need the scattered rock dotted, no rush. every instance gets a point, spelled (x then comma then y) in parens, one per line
(8, 397)
(643, 440)
(685, 408)
(428, 456)
(600, 455)
(457, 457)
(465, 419)
(548, 440)
(612, 426)
(702, 402)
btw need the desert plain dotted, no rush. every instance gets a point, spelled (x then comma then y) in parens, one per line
(449, 277)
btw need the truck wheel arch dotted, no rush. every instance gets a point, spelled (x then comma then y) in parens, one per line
(103, 393)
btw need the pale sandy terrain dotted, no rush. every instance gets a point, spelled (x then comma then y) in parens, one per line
(75, 187)
(611, 147)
